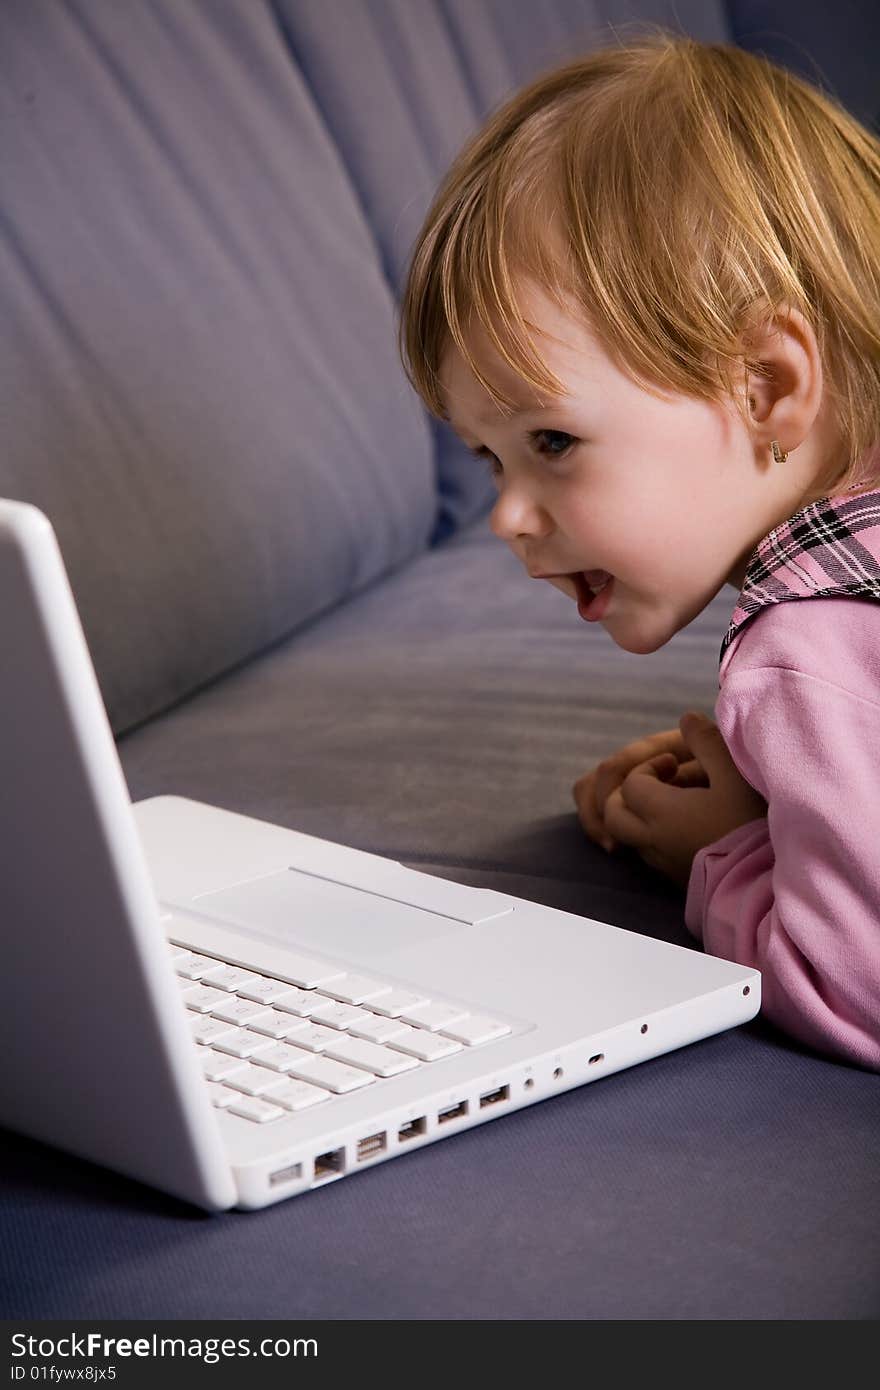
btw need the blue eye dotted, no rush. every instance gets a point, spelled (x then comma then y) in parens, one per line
(551, 443)
(555, 443)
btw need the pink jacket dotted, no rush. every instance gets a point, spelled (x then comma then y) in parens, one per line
(797, 892)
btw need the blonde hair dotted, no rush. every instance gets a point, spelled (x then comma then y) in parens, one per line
(678, 192)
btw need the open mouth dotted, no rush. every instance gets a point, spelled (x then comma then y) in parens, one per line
(590, 584)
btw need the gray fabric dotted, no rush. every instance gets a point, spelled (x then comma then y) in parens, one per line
(441, 717)
(415, 78)
(735, 1180)
(198, 360)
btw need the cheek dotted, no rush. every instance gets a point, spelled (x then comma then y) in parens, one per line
(597, 523)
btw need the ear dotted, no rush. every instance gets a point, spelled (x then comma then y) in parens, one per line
(783, 379)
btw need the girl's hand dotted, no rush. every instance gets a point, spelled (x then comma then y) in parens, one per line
(669, 824)
(592, 791)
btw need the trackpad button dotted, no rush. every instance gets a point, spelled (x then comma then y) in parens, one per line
(299, 909)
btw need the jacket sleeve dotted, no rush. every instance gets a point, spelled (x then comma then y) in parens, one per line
(796, 894)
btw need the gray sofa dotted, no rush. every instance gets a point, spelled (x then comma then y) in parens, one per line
(297, 611)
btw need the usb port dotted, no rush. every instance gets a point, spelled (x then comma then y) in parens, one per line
(293, 1170)
(330, 1164)
(452, 1113)
(375, 1144)
(598, 1057)
(493, 1097)
(412, 1128)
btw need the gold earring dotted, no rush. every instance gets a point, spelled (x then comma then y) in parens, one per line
(778, 455)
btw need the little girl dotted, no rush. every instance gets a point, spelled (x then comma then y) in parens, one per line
(648, 294)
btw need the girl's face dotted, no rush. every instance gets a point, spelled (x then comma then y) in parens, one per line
(669, 496)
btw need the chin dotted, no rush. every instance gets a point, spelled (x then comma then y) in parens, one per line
(641, 648)
(641, 642)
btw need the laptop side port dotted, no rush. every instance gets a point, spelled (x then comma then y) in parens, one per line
(412, 1128)
(452, 1112)
(598, 1057)
(374, 1144)
(493, 1097)
(329, 1165)
(293, 1170)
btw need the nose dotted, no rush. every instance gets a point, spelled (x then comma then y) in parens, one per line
(518, 516)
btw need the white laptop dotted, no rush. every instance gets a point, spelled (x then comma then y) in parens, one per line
(234, 1012)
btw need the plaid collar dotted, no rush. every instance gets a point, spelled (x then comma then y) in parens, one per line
(830, 547)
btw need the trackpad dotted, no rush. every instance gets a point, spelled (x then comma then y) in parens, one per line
(300, 909)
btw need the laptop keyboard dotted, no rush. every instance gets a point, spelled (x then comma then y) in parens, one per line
(268, 1047)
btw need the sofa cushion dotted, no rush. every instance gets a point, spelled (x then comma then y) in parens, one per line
(198, 366)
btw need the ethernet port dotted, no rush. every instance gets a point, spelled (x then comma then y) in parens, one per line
(329, 1165)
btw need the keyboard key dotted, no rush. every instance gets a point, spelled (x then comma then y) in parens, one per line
(428, 1047)
(239, 1014)
(277, 1025)
(380, 1060)
(476, 1028)
(194, 967)
(337, 1015)
(394, 1003)
(216, 1065)
(202, 998)
(240, 1011)
(354, 989)
(254, 1081)
(331, 1075)
(206, 1029)
(263, 989)
(298, 1095)
(221, 1096)
(315, 1037)
(298, 1001)
(377, 1029)
(227, 977)
(252, 1108)
(241, 1042)
(279, 1057)
(308, 973)
(434, 1016)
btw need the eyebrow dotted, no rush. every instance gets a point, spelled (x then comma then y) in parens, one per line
(490, 420)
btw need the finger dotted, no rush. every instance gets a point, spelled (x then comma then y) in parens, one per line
(591, 799)
(665, 766)
(624, 819)
(690, 774)
(625, 824)
(589, 812)
(610, 773)
(642, 790)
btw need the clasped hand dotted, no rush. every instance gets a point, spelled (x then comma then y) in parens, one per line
(664, 808)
